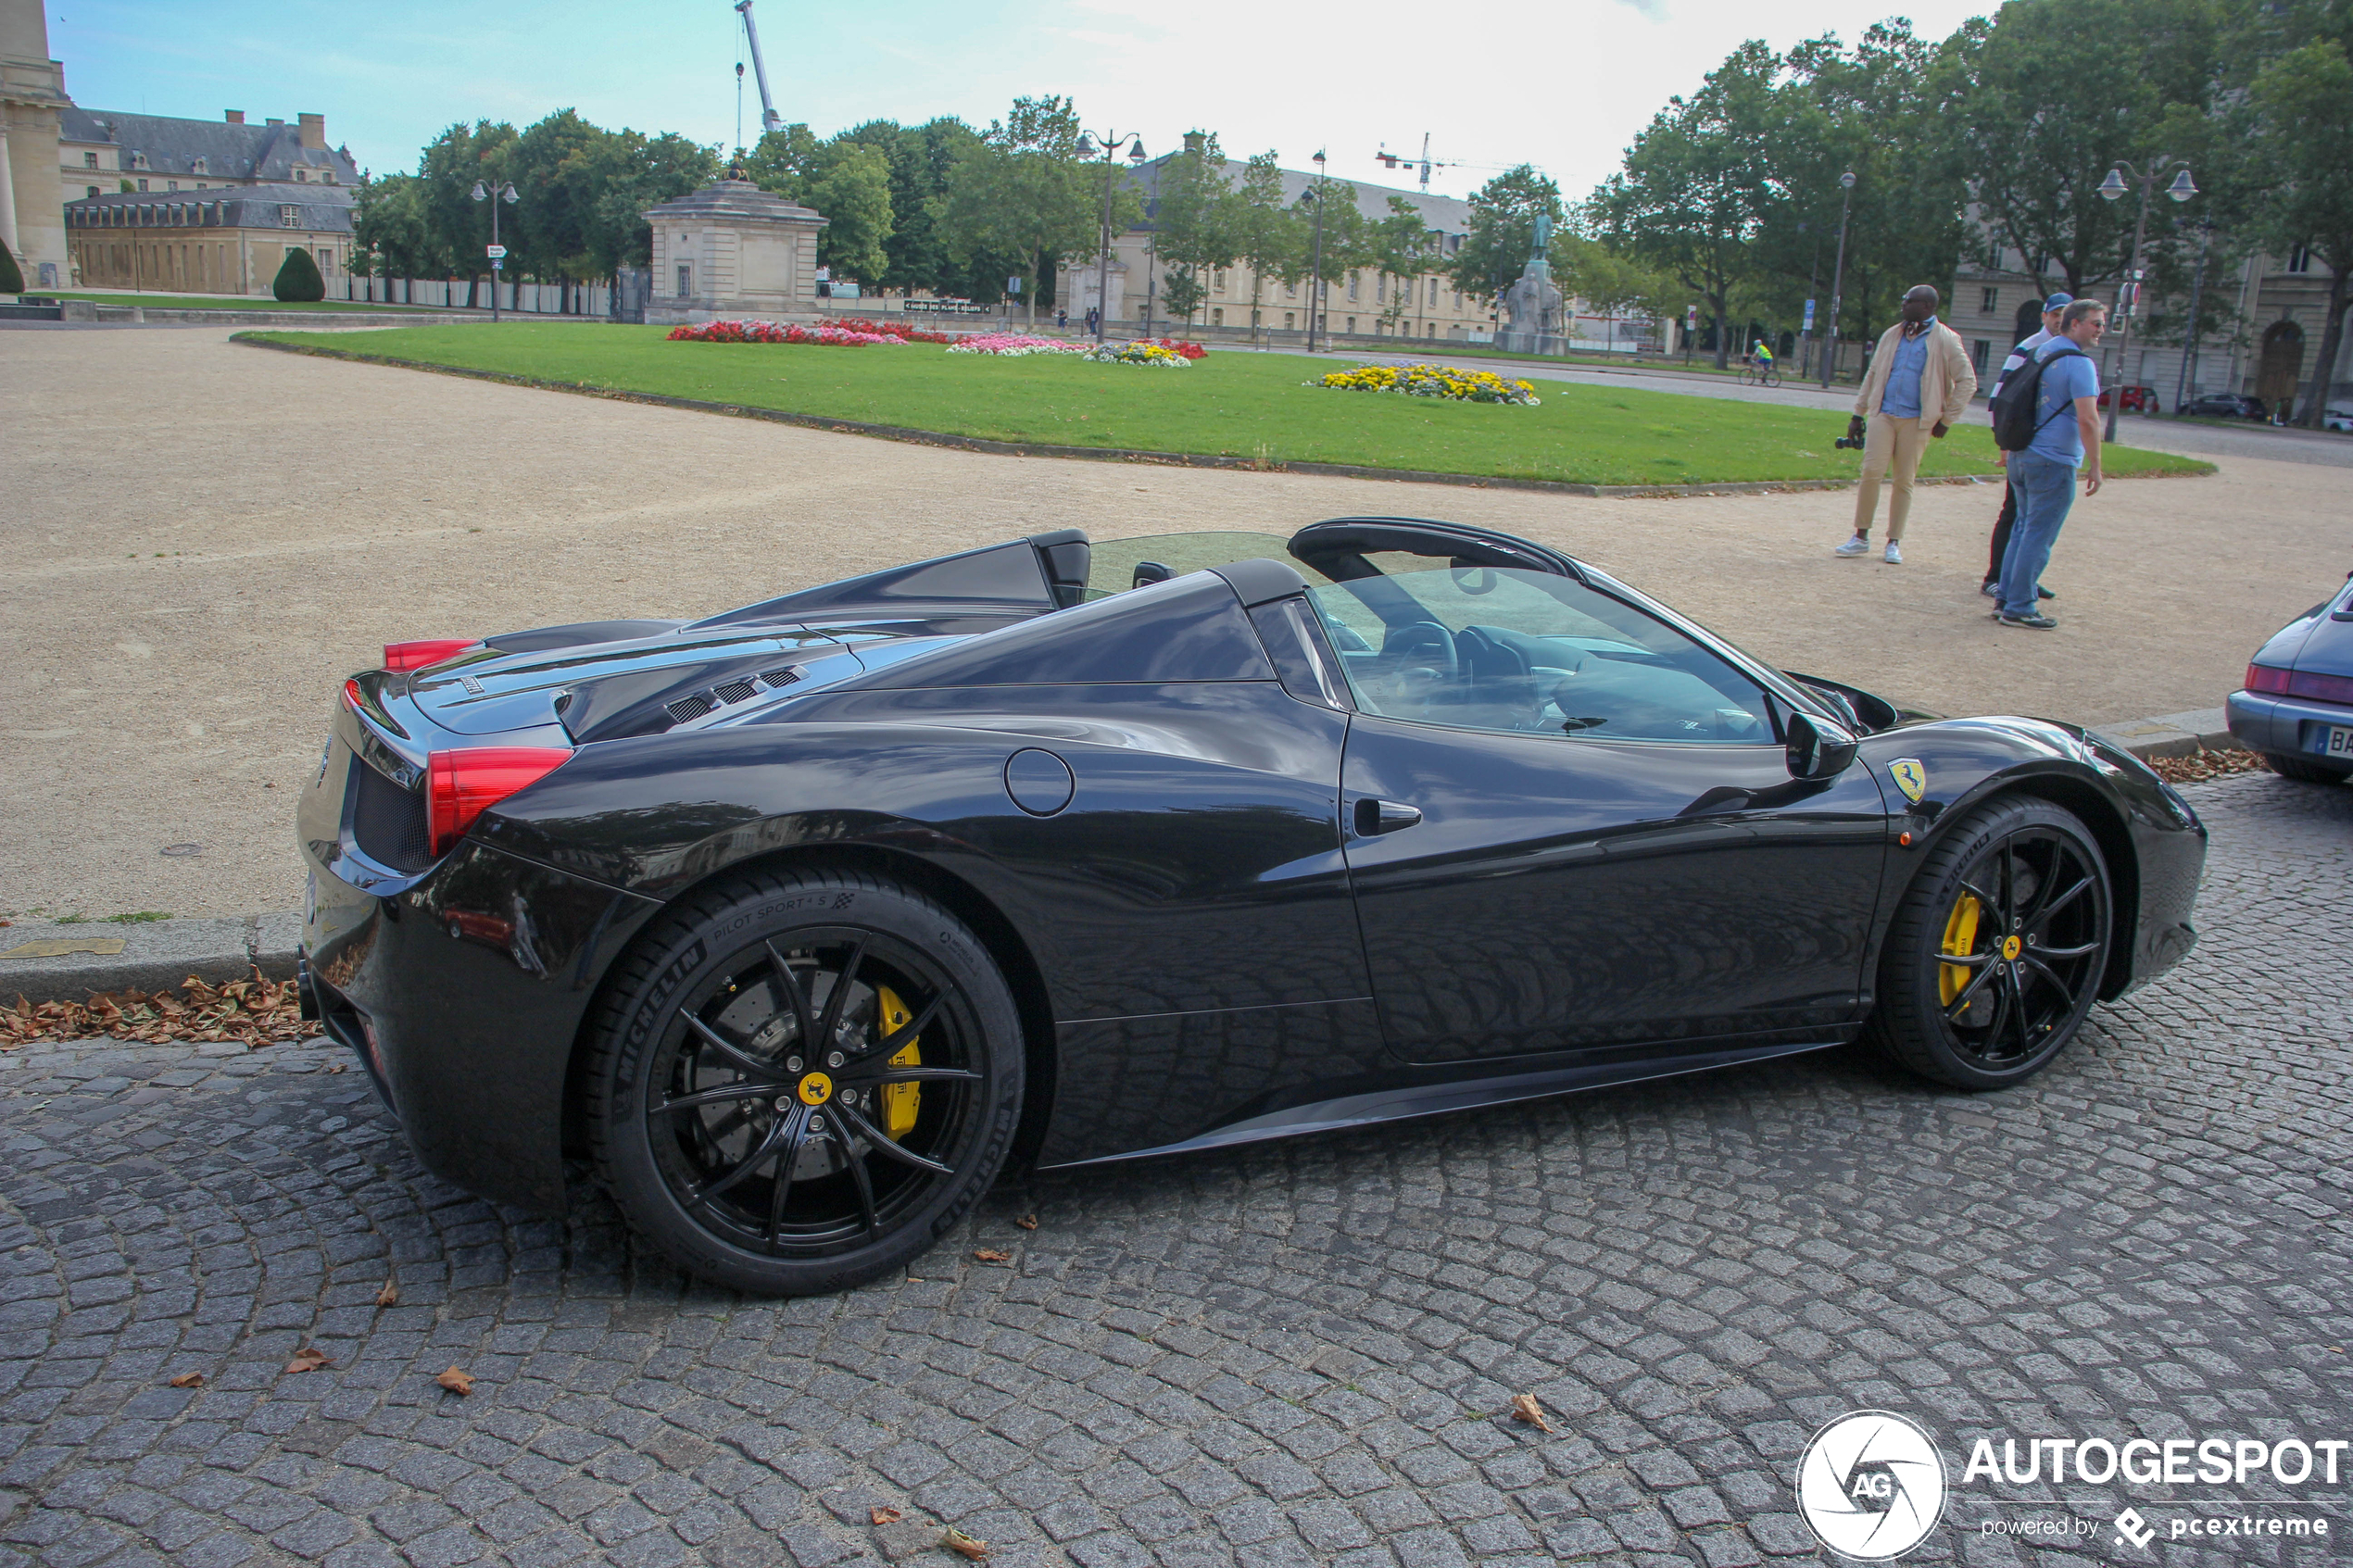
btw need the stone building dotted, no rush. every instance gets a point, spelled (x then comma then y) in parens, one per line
(1362, 304)
(32, 94)
(732, 250)
(2281, 304)
(99, 151)
(226, 241)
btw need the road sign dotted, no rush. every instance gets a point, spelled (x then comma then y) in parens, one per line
(495, 251)
(1809, 315)
(1013, 286)
(1691, 319)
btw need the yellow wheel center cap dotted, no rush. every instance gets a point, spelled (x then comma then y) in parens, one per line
(816, 1089)
(2010, 948)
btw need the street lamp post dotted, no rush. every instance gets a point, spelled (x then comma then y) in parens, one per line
(1315, 277)
(2128, 294)
(1838, 279)
(1111, 140)
(494, 194)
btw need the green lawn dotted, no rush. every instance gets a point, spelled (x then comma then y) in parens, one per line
(215, 301)
(1239, 405)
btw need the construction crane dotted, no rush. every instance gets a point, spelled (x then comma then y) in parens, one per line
(1425, 163)
(769, 119)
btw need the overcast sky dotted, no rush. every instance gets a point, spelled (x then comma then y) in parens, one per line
(1563, 86)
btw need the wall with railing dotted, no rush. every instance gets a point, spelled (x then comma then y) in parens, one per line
(473, 293)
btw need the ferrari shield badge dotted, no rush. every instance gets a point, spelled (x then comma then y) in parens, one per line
(1910, 777)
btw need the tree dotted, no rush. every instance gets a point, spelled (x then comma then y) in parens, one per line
(846, 180)
(915, 253)
(298, 278)
(1502, 230)
(1022, 192)
(1193, 218)
(1268, 235)
(1340, 242)
(2037, 120)
(390, 235)
(2301, 105)
(11, 276)
(1400, 248)
(1696, 184)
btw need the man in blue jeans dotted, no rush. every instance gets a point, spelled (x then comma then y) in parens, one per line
(2067, 437)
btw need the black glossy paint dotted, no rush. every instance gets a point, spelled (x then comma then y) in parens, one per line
(1151, 800)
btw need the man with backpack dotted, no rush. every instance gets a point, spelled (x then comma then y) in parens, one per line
(2020, 357)
(2048, 422)
(1918, 386)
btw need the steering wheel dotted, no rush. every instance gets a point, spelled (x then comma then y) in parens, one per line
(1425, 640)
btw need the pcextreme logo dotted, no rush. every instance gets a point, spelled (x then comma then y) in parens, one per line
(1870, 1486)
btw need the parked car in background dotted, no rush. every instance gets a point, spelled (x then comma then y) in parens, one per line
(2298, 707)
(2136, 400)
(2225, 405)
(2337, 416)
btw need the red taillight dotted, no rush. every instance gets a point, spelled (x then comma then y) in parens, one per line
(2320, 688)
(2263, 678)
(433, 650)
(351, 694)
(461, 785)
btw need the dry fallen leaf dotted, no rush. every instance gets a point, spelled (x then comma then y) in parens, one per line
(188, 1380)
(885, 1515)
(955, 1540)
(389, 1295)
(991, 1255)
(308, 1359)
(1027, 1221)
(1525, 1407)
(459, 1383)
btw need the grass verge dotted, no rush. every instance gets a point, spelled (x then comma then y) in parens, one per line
(1246, 408)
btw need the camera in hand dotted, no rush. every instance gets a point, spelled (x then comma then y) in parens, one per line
(1853, 440)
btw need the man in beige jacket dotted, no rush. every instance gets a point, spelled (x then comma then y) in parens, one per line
(1918, 386)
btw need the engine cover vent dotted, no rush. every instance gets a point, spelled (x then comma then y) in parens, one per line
(784, 677)
(687, 707)
(736, 691)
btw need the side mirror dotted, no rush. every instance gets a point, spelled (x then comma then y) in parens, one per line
(1818, 749)
(1150, 572)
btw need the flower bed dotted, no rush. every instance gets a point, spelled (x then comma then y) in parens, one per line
(905, 332)
(1149, 351)
(773, 332)
(1434, 381)
(1015, 346)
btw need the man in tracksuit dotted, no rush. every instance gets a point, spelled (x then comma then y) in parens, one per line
(2020, 357)
(1918, 386)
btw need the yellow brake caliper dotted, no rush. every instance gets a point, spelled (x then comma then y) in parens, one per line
(1960, 938)
(900, 1101)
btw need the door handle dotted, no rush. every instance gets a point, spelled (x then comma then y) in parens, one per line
(1376, 817)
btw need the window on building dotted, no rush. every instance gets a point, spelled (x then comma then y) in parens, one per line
(685, 280)
(1432, 331)
(89, 160)
(329, 177)
(1218, 279)
(2300, 259)
(202, 186)
(326, 261)
(1351, 324)
(1989, 302)
(289, 216)
(200, 167)
(1353, 283)
(171, 184)
(89, 191)
(1433, 294)
(1977, 353)
(143, 184)
(1289, 317)
(139, 160)
(1216, 318)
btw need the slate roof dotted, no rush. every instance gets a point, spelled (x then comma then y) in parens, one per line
(732, 198)
(230, 152)
(322, 209)
(1445, 214)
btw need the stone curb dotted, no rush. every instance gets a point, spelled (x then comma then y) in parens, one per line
(161, 953)
(1114, 454)
(143, 958)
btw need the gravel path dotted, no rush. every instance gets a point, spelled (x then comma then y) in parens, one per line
(201, 540)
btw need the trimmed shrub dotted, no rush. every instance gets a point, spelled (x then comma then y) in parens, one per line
(11, 281)
(298, 278)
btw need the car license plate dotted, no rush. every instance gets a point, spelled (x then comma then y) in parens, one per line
(2332, 740)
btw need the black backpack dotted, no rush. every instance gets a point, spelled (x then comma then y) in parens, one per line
(2014, 426)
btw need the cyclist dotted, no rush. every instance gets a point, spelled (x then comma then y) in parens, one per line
(1762, 358)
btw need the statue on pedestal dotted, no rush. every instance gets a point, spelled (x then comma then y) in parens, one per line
(1534, 303)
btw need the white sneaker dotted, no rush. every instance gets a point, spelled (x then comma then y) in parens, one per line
(1894, 556)
(1858, 546)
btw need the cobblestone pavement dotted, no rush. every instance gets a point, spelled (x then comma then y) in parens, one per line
(1292, 1353)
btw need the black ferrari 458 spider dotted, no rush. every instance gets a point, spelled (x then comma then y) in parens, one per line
(804, 919)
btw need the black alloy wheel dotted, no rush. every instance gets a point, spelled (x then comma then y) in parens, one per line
(802, 1081)
(1997, 950)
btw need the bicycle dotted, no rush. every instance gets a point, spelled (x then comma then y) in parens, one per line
(1760, 375)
